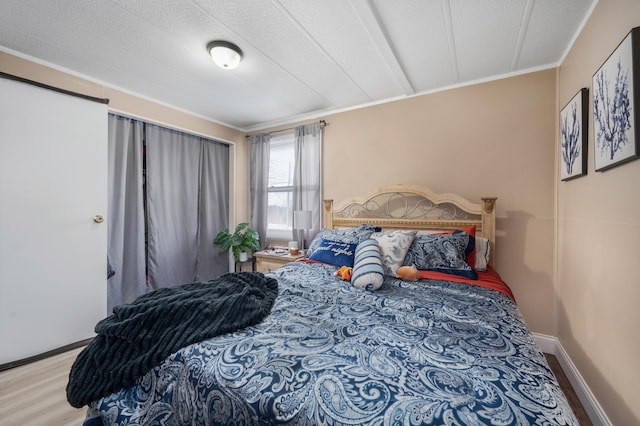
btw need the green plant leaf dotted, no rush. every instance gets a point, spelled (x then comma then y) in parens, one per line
(244, 238)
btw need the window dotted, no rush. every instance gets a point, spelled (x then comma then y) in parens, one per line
(280, 188)
(285, 177)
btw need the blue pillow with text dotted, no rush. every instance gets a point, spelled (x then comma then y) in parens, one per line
(334, 253)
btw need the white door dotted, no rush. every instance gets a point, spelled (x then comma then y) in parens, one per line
(53, 181)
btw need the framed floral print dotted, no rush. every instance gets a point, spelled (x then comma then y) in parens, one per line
(616, 109)
(574, 119)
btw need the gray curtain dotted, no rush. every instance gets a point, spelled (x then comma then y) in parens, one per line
(184, 211)
(213, 209)
(258, 182)
(307, 176)
(125, 219)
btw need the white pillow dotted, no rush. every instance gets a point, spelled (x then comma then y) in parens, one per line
(393, 248)
(482, 254)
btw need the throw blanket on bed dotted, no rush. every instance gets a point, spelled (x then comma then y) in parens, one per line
(140, 335)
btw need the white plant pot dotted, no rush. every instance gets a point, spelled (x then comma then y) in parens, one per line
(243, 256)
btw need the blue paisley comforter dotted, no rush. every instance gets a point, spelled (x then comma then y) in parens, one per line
(429, 352)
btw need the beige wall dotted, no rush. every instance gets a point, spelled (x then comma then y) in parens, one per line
(598, 240)
(148, 110)
(491, 139)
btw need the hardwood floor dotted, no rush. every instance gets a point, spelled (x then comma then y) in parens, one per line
(574, 402)
(34, 394)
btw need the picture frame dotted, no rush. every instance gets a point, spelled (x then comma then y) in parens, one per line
(574, 128)
(616, 105)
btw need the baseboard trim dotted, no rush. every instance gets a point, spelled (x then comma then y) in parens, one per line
(552, 345)
(547, 344)
(44, 355)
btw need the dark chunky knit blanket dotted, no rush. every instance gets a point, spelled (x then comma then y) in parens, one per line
(140, 335)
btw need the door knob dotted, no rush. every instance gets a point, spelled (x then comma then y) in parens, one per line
(98, 218)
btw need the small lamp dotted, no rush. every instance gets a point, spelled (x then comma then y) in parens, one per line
(302, 221)
(226, 55)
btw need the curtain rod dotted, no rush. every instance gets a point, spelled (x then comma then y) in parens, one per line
(323, 123)
(53, 88)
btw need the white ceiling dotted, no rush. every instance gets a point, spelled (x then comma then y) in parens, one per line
(302, 58)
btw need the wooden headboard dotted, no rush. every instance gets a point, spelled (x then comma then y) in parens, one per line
(414, 207)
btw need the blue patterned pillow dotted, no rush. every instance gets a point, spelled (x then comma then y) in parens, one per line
(334, 253)
(368, 273)
(345, 235)
(443, 253)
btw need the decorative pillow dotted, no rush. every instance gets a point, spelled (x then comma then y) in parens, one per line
(344, 235)
(394, 246)
(471, 230)
(443, 253)
(482, 254)
(471, 256)
(334, 253)
(367, 268)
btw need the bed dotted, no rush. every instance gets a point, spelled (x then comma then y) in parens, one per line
(450, 348)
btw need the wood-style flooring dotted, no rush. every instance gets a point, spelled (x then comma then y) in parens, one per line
(574, 402)
(34, 394)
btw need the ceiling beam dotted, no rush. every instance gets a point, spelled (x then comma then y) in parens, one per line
(524, 25)
(372, 24)
(451, 41)
(318, 47)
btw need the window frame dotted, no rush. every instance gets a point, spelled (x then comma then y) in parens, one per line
(281, 234)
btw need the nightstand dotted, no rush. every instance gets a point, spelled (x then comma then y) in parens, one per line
(268, 261)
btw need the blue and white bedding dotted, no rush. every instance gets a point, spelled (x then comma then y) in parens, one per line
(426, 352)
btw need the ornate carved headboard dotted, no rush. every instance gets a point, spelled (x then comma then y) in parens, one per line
(414, 207)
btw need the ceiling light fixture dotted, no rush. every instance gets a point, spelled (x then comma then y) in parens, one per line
(226, 55)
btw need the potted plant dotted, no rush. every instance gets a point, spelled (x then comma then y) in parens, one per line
(244, 238)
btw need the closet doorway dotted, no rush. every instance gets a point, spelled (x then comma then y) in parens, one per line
(168, 197)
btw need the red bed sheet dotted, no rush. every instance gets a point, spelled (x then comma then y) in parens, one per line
(490, 279)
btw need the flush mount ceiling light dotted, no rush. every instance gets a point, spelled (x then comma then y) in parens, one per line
(226, 55)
